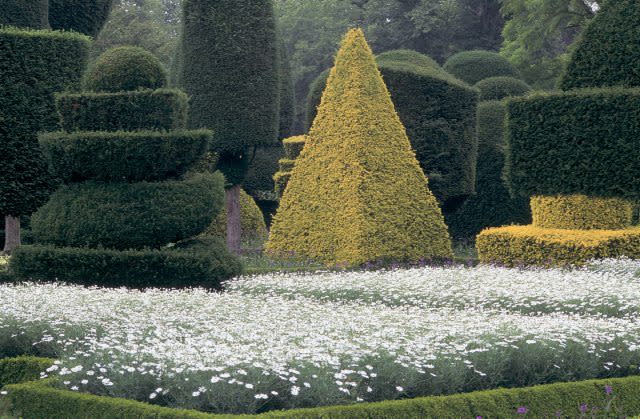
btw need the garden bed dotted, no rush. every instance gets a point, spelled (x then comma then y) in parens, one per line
(287, 341)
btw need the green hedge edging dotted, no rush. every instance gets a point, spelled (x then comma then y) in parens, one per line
(22, 369)
(36, 400)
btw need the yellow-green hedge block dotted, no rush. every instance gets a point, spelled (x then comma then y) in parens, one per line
(252, 225)
(530, 245)
(293, 146)
(357, 193)
(579, 212)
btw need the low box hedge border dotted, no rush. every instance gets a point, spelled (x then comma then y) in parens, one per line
(38, 400)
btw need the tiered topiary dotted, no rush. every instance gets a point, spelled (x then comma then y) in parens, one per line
(292, 148)
(492, 206)
(473, 66)
(497, 88)
(357, 193)
(34, 63)
(439, 114)
(577, 154)
(128, 194)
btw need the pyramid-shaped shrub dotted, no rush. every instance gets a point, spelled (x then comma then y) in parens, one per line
(357, 193)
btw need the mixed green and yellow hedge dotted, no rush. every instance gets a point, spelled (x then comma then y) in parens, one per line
(531, 245)
(39, 400)
(357, 193)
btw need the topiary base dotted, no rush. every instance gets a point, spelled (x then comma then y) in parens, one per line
(529, 245)
(202, 263)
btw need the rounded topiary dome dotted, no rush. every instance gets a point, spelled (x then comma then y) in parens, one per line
(497, 88)
(473, 66)
(125, 68)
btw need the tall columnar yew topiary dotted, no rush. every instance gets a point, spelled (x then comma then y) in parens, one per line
(608, 54)
(87, 17)
(357, 192)
(438, 112)
(127, 195)
(34, 63)
(230, 71)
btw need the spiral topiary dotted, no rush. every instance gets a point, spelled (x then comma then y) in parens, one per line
(125, 68)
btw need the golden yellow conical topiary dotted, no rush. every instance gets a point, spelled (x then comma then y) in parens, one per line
(357, 193)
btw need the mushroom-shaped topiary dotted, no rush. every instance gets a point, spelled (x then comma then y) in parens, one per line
(125, 68)
(473, 66)
(498, 88)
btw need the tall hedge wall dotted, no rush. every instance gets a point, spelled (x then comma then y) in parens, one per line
(31, 14)
(357, 193)
(438, 112)
(34, 65)
(608, 53)
(87, 17)
(231, 45)
(582, 142)
(492, 206)
(473, 66)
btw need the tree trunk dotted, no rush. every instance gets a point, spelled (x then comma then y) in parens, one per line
(232, 202)
(11, 234)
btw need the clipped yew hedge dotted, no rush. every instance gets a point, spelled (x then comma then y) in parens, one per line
(162, 110)
(128, 215)
(579, 142)
(123, 156)
(473, 66)
(84, 16)
(497, 88)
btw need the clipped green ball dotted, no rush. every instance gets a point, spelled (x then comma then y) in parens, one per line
(498, 88)
(125, 68)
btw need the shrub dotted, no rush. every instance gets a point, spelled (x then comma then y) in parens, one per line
(128, 216)
(125, 68)
(439, 114)
(25, 13)
(609, 49)
(293, 146)
(497, 88)
(287, 92)
(205, 265)
(34, 65)
(39, 400)
(251, 221)
(473, 66)
(22, 369)
(343, 205)
(578, 212)
(259, 179)
(87, 17)
(530, 245)
(123, 156)
(231, 45)
(162, 110)
(492, 206)
(580, 142)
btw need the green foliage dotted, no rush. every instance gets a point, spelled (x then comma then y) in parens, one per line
(538, 36)
(609, 50)
(231, 46)
(438, 112)
(87, 17)
(582, 142)
(38, 400)
(492, 206)
(128, 216)
(162, 110)
(251, 221)
(343, 205)
(34, 65)
(22, 369)
(125, 68)
(259, 180)
(497, 88)
(473, 66)
(25, 13)
(287, 92)
(123, 156)
(204, 265)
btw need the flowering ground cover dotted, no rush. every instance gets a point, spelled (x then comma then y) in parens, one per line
(297, 340)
